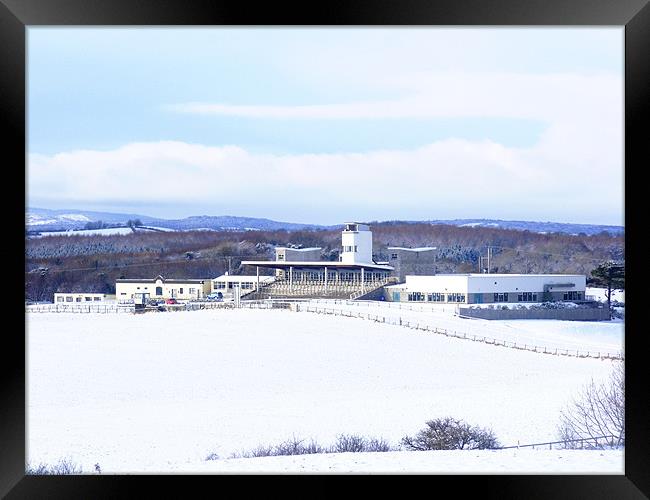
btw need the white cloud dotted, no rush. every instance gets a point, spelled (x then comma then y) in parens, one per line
(546, 97)
(481, 179)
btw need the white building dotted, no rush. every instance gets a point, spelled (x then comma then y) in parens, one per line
(488, 288)
(355, 264)
(357, 244)
(227, 283)
(286, 254)
(162, 288)
(83, 298)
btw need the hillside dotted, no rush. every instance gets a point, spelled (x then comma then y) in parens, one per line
(40, 219)
(93, 262)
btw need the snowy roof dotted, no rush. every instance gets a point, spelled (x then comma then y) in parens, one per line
(503, 275)
(153, 280)
(241, 277)
(419, 249)
(280, 264)
(298, 249)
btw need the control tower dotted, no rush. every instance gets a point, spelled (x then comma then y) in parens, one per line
(357, 244)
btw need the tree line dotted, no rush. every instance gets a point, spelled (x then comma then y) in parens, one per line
(92, 263)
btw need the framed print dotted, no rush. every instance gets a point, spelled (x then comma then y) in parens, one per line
(372, 240)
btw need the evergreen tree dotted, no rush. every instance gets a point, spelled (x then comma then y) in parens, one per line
(611, 275)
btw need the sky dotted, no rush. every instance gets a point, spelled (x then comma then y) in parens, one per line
(327, 125)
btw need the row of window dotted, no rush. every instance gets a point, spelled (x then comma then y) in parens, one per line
(527, 297)
(572, 295)
(350, 248)
(501, 297)
(436, 297)
(78, 299)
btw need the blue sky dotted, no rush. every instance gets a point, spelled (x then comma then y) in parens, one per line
(326, 125)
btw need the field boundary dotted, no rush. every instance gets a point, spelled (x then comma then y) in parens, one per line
(424, 326)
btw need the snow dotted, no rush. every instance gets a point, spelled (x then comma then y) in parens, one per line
(523, 460)
(74, 217)
(588, 336)
(88, 232)
(600, 294)
(159, 392)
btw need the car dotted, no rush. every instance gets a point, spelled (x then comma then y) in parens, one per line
(171, 301)
(215, 296)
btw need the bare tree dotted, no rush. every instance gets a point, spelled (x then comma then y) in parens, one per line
(599, 410)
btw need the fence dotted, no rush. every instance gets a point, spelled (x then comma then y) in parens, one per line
(573, 314)
(590, 443)
(80, 308)
(423, 326)
(124, 307)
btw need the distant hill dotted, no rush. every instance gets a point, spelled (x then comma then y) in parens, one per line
(532, 226)
(41, 219)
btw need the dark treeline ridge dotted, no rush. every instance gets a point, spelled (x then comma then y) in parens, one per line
(92, 263)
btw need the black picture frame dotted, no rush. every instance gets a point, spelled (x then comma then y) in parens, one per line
(16, 15)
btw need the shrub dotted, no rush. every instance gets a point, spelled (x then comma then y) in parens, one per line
(451, 434)
(63, 467)
(345, 443)
(599, 410)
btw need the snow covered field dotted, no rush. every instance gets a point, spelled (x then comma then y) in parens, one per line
(592, 336)
(159, 392)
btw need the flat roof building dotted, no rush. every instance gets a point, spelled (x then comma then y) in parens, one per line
(82, 298)
(162, 288)
(354, 272)
(488, 288)
(421, 261)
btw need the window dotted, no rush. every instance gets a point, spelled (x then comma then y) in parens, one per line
(393, 256)
(355, 248)
(97, 299)
(500, 297)
(123, 293)
(78, 299)
(280, 256)
(436, 297)
(219, 284)
(455, 297)
(396, 296)
(192, 291)
(158, 290)
(68, 299)
(527, 297)
(88, 299)
(59, 299)
(416, 297)
(572, 295)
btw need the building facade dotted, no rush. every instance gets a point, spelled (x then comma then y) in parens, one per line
(83, 298)
(356, 240)
(161, 288)
(355, 273)
(227, 284)
(415, 261)
(285, 254)
(488, 288)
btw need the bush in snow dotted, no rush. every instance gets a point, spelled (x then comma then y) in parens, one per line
(64, 467)
(353, 443)
(451, 434)
(599, 410)
(345, 443)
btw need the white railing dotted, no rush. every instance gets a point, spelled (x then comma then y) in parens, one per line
(80, 308)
